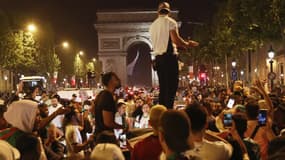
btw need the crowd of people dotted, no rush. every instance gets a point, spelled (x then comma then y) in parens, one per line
(198, 123)
(212, 123)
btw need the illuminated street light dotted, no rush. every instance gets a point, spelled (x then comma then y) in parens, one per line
(65, 44)
(234, 63)
(271, 74)
(94, 59)
(81, 53)
(5, 78)
(32, 28)
(241, 72)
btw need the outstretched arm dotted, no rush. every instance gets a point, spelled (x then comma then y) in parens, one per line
(175, 37)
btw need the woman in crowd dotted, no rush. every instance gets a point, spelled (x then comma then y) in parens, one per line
(142, 119)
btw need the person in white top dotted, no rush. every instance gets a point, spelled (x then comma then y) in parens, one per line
(165, 37)
(203, 148)
(142, 120)
(55, 105)
(74, 144)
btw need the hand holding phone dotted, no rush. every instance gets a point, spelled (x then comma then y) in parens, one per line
(231, 103)
(262, 117)
(228, 120)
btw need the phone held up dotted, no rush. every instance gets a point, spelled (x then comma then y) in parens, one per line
(228, 120)
(231, 103)
(262, 117)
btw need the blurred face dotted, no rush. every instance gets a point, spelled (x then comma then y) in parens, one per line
(44, 111)
(145, 108)
(115, 81)
(139, 102)
(54, 102)
(35, 93)
(122, 109)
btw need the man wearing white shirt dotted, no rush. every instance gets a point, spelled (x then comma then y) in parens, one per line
(55, 105)
(165, 37)
(203, 148)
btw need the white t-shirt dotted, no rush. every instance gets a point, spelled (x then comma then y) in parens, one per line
(142, 123)
(73, 136)
(208, 150)
(57, 121)
(160, 32)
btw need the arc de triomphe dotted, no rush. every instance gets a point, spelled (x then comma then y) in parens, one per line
(117, 31)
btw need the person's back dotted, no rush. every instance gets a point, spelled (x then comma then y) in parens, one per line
(203, 148)
(149, 148)
(260, 137)
(211, 150)
(253, 148)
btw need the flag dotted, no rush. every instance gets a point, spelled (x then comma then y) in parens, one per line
(131, 66)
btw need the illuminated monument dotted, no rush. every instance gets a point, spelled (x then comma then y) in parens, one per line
(124, 45)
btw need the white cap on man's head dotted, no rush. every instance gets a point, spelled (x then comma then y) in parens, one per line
(107, 151)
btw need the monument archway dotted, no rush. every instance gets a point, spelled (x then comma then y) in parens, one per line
(139, 65)
(119, 34)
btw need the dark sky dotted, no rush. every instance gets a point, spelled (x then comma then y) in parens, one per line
(73, 19)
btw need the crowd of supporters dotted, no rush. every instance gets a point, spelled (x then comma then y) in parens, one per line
(208, 123)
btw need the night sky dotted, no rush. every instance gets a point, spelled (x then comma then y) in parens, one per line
(73, 20)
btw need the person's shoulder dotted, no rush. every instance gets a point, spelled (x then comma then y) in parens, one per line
(171, 20)
(218, 145)
(149, 139)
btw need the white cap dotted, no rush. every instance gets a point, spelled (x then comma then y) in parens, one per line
(107, 151)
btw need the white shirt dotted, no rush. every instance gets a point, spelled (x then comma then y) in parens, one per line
(160, 32)
(143, 122)
(57, 121)
(73, 136)
(207, 150)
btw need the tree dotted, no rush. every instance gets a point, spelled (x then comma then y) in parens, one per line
(24, 52)
(79, 68)
(19, 52)
(90, 66)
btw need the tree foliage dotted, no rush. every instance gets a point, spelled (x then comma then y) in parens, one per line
(240, 25)
(79, 68)
(24, 52)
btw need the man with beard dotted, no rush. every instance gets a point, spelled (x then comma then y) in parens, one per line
(105, 104)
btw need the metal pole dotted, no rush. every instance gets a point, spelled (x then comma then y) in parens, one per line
(271, 71)
(227, 74)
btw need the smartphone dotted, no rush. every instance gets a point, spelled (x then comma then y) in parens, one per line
(231, 103)
(228, 120)
(262, 117)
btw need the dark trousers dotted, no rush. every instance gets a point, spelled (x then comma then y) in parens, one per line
(167, 71)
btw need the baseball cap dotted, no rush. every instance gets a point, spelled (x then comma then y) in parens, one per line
(164, 6)
(107, 151)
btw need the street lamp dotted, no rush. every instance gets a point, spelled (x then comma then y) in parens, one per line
(32, 28)
(234, 72)
(234, 64)
(94, 59)
(271, 75)
(81, 53)
(65, 44)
